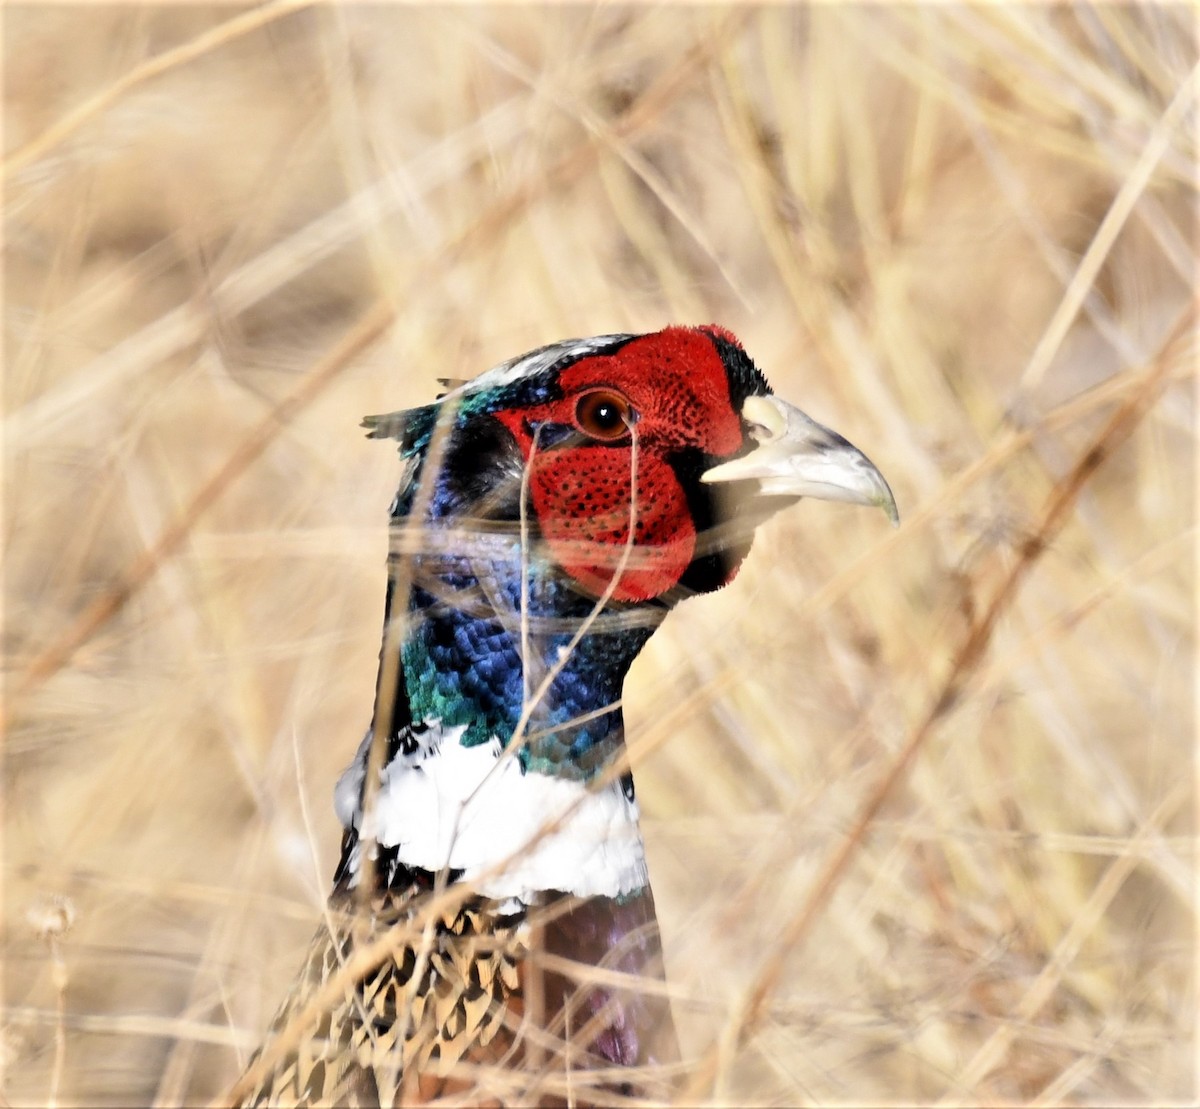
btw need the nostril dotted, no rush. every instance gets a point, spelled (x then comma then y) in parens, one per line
(760, 433)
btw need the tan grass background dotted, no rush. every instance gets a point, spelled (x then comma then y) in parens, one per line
(964, 236)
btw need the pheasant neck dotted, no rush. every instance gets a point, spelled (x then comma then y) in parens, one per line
(503, 732)
(512, 651)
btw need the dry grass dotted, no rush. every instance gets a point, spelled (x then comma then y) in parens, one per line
(964, 236)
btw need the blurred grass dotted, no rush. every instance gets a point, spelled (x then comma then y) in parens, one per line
(960, 235)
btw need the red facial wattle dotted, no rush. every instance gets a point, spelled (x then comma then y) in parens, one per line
(678, 390)
(588, 534)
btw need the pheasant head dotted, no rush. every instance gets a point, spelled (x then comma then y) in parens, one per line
(551, 512)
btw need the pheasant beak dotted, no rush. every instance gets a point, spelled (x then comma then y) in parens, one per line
(797, 457)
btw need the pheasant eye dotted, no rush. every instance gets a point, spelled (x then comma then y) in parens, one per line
(604, 414)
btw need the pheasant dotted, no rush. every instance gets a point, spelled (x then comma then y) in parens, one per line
(491, 914)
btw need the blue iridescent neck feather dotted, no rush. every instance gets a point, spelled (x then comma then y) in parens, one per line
(466, 658)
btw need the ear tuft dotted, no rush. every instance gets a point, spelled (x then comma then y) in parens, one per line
(412, 428)
(391, 425)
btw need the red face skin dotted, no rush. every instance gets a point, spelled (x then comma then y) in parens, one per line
(677, 386)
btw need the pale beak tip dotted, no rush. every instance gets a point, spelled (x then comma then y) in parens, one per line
(884, 497)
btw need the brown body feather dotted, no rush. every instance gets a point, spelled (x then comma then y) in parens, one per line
(473, 1001)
